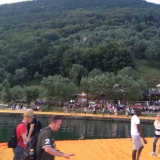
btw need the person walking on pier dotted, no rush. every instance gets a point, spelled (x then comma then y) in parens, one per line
(157, 135)
(45, 146)
(136, 135)
(21, 132)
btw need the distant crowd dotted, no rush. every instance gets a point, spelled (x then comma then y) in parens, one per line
(21, 106)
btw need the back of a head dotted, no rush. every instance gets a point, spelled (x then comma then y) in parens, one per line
(158, 115)
(54, 118)
(30, 110)
(137, 110)
(28, 113)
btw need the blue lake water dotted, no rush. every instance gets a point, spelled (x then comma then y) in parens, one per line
(77, 128)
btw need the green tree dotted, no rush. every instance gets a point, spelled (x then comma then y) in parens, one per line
(77, 72)
(21, 76)
(3, 74)
(95, 72)
(38, 76)
(58, 88)
(17, 93)
(6, 94)
(131, 85)
(99, 86)
(129, 72)
(31, 93)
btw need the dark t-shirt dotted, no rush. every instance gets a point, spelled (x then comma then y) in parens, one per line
(37, 127)
(44, 139)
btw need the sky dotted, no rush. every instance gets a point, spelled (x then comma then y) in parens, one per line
(13, 1)
(10, 1)
(154, 1)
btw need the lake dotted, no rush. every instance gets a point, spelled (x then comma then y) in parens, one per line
(77, 128)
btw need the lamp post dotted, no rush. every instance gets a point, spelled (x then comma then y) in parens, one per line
(149, 99)
(158, 93)
(82, 102)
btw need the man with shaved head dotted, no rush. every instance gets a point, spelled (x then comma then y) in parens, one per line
(136, 135)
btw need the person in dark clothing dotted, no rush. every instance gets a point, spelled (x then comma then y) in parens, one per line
(37, 126)
(45, 143)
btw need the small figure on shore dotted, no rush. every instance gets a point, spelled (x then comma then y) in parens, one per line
(66, 109)
(127, 111)
(109, 111)
(136, 135)
(132, 111)
(73, 110)
(103, 111)
(85, 110)
(115, 111)
(157, 135)
(94, 110)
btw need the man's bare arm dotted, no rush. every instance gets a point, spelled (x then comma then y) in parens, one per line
(25, 138)
(141, 134)
(30, 130)
(54, 152)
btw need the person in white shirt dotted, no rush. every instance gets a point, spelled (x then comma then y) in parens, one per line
(85, 110)
(103, 111)
(157, 134)
(136, 135)
(127, 111)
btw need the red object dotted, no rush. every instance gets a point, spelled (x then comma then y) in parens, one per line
(98, 105)
(21, 129)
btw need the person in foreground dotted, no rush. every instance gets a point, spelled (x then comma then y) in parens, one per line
(21, 132)
(45, 148)
(157, 134)
(136, 135)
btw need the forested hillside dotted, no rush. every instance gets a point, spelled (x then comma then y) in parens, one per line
(46, 37)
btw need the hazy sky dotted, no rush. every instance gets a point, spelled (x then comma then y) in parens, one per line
(12, 1)
(154, 1)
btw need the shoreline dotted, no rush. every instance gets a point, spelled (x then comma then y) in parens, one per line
(123, 118)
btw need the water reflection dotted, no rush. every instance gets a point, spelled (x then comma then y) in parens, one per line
(77, 128)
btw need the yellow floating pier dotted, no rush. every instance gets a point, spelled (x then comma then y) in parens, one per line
(96, 149)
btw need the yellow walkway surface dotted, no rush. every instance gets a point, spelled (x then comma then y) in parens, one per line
(97, 149)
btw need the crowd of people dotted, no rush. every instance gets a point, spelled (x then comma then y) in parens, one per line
(21, 106)
(30, 126)
(110, 109)
(16, 106)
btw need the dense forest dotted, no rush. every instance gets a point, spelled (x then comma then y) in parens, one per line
(74, 38)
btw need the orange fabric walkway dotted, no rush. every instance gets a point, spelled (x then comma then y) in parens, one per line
(97, 149)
